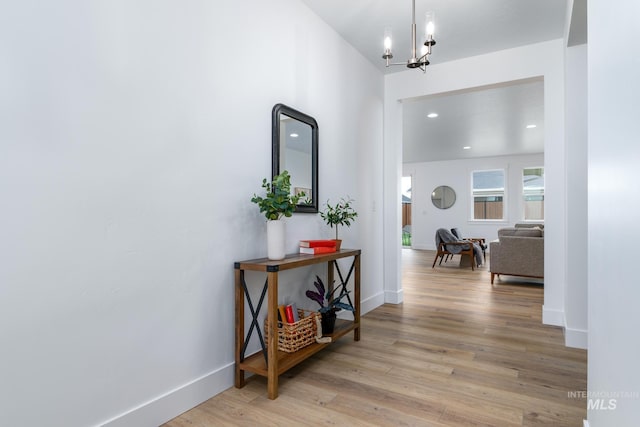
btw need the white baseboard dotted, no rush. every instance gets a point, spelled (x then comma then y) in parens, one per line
(576, 338)
(175, 402)
(370, 303)
(552, 317)
(168, 406)
(585, 423)
(393, 297)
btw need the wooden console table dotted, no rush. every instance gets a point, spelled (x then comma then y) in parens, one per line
(270, 362)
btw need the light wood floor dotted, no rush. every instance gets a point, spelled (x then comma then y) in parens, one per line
(457, 352)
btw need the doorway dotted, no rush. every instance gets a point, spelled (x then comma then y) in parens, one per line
(406, 211)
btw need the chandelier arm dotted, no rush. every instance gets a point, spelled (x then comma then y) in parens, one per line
(414, 62)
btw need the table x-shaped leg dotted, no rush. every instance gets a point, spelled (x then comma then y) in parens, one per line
(343, 282)
(254, 321)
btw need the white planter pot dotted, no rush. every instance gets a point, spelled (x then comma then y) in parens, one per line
(275, 239)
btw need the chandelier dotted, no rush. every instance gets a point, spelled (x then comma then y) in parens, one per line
(415, 61)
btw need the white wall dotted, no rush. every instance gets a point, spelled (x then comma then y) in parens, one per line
(426, 176)
(614, 202)
(533, 61)
(132, 136)
(576, 202)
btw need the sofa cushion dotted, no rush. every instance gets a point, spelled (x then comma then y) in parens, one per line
(529, 225)
(520, 232)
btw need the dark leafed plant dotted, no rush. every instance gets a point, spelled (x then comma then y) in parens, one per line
(323, 298)
(278, 201)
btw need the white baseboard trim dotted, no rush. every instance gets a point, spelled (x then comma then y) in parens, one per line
(576, 338)
(168, 406)
(585, 423)
(394, 297)
(552, 317)
(371, 303)
(173, 403)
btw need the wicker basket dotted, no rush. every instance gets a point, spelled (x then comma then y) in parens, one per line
(294, 336)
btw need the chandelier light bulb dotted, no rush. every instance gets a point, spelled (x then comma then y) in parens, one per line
(387, 40)
(387, 43)
(430, 29)
(387, 55)
(430, 26)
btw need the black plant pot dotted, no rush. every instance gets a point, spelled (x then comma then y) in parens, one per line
(328, 320)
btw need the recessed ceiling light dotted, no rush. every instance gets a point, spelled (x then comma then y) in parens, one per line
(432, 115)
(531, 126)
(466, 148)
(293, 135)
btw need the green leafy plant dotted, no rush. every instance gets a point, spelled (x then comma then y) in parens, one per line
(324, 299)
(278, 201)
(342, 213)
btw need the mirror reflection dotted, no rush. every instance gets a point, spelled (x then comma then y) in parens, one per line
(443, 197)
(295, 149)
(295, 137)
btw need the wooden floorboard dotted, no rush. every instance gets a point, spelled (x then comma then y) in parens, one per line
(456, 352)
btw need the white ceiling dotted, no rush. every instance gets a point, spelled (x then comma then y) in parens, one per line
(463, 27)
(491, 121)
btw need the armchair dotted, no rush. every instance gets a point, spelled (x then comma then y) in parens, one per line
(479, 240)
(448, 244)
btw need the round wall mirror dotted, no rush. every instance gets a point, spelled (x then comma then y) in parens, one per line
(443, 197)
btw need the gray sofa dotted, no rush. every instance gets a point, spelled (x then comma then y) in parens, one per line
(519, 251)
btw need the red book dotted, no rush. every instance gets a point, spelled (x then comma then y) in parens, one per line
(317, 243)
(318, 250)
(289, 312)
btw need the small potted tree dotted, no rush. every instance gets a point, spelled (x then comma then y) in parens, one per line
(342, 213)
(278, 202)
(329, 305)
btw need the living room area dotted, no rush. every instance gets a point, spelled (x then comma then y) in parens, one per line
(485, 199)
(505, 174)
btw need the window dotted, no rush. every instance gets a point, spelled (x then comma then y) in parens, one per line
(533, 193)
(488, 194)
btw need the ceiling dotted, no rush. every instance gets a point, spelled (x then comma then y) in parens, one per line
(297, 134)
(463, 28)
(492, 120)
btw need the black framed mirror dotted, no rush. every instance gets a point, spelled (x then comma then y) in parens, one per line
(294, 148)
(443, 197)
